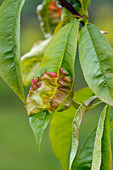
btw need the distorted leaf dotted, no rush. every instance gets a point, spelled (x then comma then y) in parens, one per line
(55, 75)
(96, 58)
(61, 134)
(49, 15)
(31, 60)
(10, 45)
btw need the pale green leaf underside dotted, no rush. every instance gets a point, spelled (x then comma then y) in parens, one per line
(61, 50)
(97, 152)
(10, 45)
(75, 133)
(61, 134)
(76, 125)
(38, 123)
(96, 58)
(31, 60)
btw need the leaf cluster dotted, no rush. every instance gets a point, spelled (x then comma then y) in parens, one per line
(49, 67)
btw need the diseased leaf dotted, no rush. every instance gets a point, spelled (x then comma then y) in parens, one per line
(97, 152)
(31, 60)
(38, 123)
(10, 45)
(76, 125)
(96, 58)
(49, 15)
(61, 134)
(106, 144)
(54, 79)
(55, 75)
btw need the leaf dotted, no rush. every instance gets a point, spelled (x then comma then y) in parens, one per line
(75, 133)
(10, 45)
(99, 140)
(55, 75)
(85, 4)
(83, 94)
(76, 125)
(84, 156)
(64, 22)
(31, 60)
(49, 15)
(96, 58)
(106, 144)
(38, 123)
(60, 135)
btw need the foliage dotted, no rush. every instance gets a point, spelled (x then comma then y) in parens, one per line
(49, 67)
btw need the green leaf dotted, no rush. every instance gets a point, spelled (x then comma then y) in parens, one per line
(84, 156)
(38, 123)
(61, 134)
(96, 58)
(76, 125)
(106, 144)
(49, 15)
(57, 64)
(31, 60)
(100, 138)
(85, 4)
(10, 45)
(83, 94)
(61, 53)
(111, 120)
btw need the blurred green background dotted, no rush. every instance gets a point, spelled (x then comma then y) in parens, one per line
(18, 150)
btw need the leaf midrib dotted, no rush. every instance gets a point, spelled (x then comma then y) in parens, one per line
(63, 53)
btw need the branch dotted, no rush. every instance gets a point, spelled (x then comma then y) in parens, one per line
(70, 8)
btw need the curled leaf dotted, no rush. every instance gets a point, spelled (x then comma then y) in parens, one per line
(53, 82)
(49, 15)
(45, 94)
